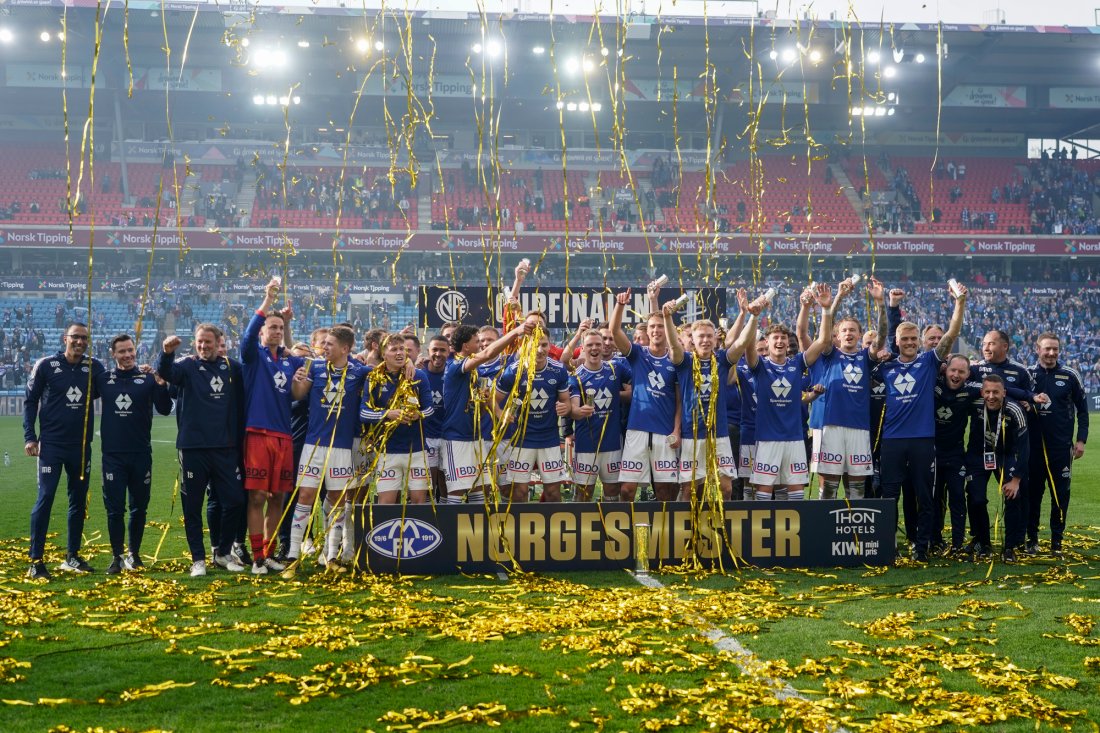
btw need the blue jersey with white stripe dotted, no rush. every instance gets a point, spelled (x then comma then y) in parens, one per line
(334, 403)
(379, 399)
(267, 379)
(536, 418)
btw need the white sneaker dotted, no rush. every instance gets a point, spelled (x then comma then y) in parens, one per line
(229, 563)
(272, 564)
(258, 568)
(308, 548)
(198, 569)
(74, 564)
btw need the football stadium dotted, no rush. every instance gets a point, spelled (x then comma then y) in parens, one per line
(549, 366)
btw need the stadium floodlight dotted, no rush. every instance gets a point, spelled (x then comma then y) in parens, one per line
(891, 97)
(789, 55)
(571, 65)
(604, 51)
(873, 57)
(588, 64)
(44, 36)
(890, 72)
(258, 99)
(379, 45)
(880, 111)
(61, 35)
(899, 55)
(856, 111)
(596, 107)
(6, 36)
(362, 45)
(494, 48)
(297, 99)
(476, 48)
(890, 112)
(572, 107)
(245, 42)
(868, 110)
(538, 50)
(303, 44)
(583, 106)
(919, 58)
(270, 99)
(284, 101)
(560, 105)
(815, 56)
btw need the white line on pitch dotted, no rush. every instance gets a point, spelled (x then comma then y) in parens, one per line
(747, 661)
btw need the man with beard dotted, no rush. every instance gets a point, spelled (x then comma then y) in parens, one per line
(1054, 445)
(955, 398)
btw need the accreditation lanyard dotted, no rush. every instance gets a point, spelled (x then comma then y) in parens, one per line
(989, 454)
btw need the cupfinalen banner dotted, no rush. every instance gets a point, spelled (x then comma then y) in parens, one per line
(425, 539)
(563, 308)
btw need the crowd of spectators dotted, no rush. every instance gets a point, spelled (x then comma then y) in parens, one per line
(1061, 198)
(378, 198)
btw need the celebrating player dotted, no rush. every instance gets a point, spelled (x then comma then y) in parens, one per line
(598, 389)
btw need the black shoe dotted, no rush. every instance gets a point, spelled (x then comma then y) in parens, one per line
(1009, 555)
(1056, 551)
(281, 556)
(38, 571)
(918, 555)
(242, 554)
(132, 562)
(1031, 547)
(116, 566)
(958, 551)
(938, 549)
(981, 552)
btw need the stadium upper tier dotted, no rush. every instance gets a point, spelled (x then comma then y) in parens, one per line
(781, 194)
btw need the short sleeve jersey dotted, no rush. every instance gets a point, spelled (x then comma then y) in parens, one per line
(779, 399)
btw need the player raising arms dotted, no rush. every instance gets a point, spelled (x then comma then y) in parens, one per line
(650, 450)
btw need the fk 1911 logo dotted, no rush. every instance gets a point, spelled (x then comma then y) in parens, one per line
(404, 539)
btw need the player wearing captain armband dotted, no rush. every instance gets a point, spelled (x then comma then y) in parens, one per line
(395, 406)
(703, 376)
(534, 399)
(333, 387)
(597, 390)
(650, 449)
(467, 463)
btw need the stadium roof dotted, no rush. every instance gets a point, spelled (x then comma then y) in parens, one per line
(995, 78)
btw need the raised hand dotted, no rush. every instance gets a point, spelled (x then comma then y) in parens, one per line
(623, 298)
(896, 296)
(824, 295)
(171, 344)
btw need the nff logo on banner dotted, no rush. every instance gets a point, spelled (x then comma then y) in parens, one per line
(562, 307)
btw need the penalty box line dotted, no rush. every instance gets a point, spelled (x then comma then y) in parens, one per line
(746, 660)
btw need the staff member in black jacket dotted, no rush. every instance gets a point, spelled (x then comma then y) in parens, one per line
(59, 394)
(1054, 444)
(209, 408)
(998, 447)
(129, 395)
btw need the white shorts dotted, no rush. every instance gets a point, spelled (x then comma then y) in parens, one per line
(839, 450)
(462, 467)
(747, 457)
(693, 458)
(547, 462)
(432, 447)
(587, 466)
(648, 457)
(319, 463)
(780, 462)
(503, 453)
(396, 470)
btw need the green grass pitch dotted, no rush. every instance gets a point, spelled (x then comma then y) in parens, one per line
(951, 646)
